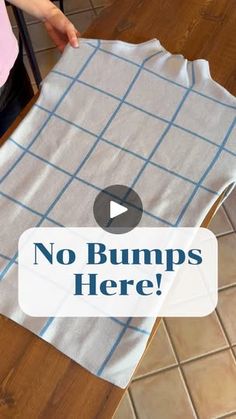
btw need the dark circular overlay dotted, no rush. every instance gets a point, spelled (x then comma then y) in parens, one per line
(121, 195)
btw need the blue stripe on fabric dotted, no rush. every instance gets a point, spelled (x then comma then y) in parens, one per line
(178, 126)
(114, 319)
(46, 326)
(86, 183)
(116, 343)
(137, 177)
(113, 348)
(90, 152)
(21, 204)
(41, 159)
(164, 78)
(213, 162)
(13, 259)
(51, 113)
(136, 328)
(159, 142)
(135, 107)
(96, 142)
(4, 256)
(93, 147)
(125, 150)
(8, 266)
(59, 73)
(214, 100)
(144, 68)
(38, 133)
(67, 120)
(155, 217)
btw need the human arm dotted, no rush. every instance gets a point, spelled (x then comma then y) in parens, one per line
(58, 26)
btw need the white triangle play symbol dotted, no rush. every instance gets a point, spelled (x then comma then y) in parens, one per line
(116, 209)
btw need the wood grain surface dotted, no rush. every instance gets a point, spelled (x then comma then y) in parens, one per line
(36, 380)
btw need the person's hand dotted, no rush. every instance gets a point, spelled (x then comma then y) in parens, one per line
(60, 29)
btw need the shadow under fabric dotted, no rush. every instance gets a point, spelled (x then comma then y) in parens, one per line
(111, 112)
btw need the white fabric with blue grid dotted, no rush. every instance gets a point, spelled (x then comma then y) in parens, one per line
(109, 113)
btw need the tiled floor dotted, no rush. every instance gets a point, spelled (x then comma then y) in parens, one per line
(189, 370)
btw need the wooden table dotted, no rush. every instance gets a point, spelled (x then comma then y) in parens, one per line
(37, 381)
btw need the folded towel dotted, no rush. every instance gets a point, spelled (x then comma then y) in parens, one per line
(111, 112)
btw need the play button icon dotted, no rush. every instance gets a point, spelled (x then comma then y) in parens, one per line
(118, 209)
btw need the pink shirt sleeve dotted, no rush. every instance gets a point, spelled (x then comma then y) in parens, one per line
(8, 44)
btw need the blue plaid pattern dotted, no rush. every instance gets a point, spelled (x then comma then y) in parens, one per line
(94, 140)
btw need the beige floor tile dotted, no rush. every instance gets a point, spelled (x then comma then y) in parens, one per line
(82, 20)
(230, 206)
(28, 18)
(212, 382)
(125, 409)
(161, 396)
(227, 265)
(159, 355)
(233, 416)
(99, 10)
(220, 223)
(98, 3)
(75, 5)
(227, 311)
(46, 60)
(197, 336)
(39, 37)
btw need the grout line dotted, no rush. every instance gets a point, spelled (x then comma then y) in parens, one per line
(226, 233)
(227, 415)
(182, 363)
(155, 372)
(170, 342)
(181, 371)
(41, 50)
(68, 13)
(226, 287)
(226, 335)
(226, 211)
(227, 218)
(98, 9)
(101, 6)
(130, 397)
(206, 354)
(92, 7)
